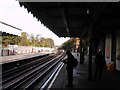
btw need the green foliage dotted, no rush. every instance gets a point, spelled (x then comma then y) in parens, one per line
(69, 45)
(46, 42)
(25, 40)
(6, 40)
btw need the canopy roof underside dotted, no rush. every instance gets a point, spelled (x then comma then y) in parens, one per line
(75, 19)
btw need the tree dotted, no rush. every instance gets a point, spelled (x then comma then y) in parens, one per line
(72, 43)
(50, 42)
(5, 41)
(17, 40)
(69, 45)
(43, 42)
(46, 42)
(24, 40)
(32, 39)
(8, 39)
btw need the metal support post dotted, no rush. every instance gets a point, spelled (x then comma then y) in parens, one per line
(90, 61)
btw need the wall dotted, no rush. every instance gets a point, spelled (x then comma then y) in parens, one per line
(23, 50)
(108, 48)
(118, 50)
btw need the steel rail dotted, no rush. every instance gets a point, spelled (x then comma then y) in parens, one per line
(33, 83)
(18, 68)
(20, 72)
(34, 72)
(48, 83)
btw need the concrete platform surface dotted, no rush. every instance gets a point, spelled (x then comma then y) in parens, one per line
(12, 58)
(80, 78)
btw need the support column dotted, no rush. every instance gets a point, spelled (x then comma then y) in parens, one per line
(81, 50)
(90, 61)
(104, 46)
(113, 52)
(2, 52)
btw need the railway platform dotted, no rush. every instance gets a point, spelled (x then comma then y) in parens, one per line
(12, 58)
(80, 78)
(80, 75)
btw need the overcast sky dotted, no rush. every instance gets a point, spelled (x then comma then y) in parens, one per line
(11, 13)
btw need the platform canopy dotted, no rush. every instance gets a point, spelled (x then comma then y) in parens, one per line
(75, 19)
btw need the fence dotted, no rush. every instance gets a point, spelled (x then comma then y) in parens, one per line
(14, 49)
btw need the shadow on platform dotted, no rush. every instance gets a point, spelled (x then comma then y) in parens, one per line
(80, 73)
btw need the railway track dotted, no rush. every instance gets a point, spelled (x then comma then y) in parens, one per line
(30, 75)
(25, 67)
